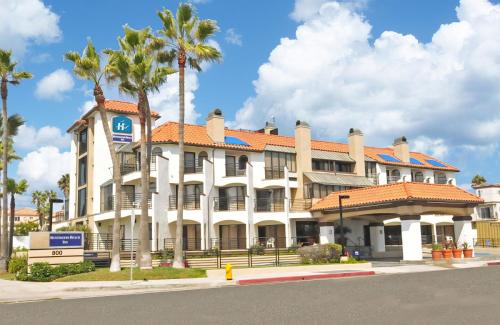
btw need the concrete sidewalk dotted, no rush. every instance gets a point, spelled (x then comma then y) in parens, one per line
(17, 291)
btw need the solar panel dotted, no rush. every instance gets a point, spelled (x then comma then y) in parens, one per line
(415, 161)
(388, 158)
(235, 141)
(435, 163)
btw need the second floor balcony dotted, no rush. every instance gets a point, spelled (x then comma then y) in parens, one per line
(191, 202)
(274, 173)
(269, 205)
(128, 202)
(230, 203)
(235, 169)
(130, 163)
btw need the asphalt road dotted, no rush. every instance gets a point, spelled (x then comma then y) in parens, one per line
(446, 297)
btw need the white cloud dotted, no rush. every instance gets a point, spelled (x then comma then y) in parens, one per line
(333, 75)
(43, 167)
(29, 137)
(232, 37)
(166, 101)
(23, 22)
(433, 147)
(41, 58)
(54, 85)
(87, 106)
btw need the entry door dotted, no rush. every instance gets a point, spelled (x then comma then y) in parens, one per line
(366, 235)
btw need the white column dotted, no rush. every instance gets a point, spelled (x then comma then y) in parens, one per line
(434, 234)
(288, 233)
(326, 233)
(288, 202)
(377, 237)
(463, 231)
(412, 238)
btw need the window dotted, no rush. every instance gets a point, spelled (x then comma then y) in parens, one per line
(230, 166)
(189, 162)
(344, 167)
(107, 198)
(275, 163)
(82, 202)
(82, 171)
(242, 162)
(317, 191)
(332, 166)
(418, 177)
(440, 178)
(370, 169)
(201, 157)
(82, 142)
(157, 151)
(485, 213)
(393, 176)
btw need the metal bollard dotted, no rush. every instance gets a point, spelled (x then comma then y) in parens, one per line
(229, 272)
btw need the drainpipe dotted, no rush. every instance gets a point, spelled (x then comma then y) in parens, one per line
(207, 239)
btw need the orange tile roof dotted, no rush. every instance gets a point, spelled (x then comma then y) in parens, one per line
(397, 192)
(197, 135)
(116, 106)
(29, 212)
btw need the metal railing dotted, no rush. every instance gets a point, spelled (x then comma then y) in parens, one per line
(108, 204)
(301, 204)
(304, 240)
(97, 242)
(188, 244)
(373, 179)
(133, 164)
(269, 205)
(270, 242)
(230, 203)
(274, 173)
(192, 168)
(191, 202)
(393, 179)
(234, 169)
(229, 243)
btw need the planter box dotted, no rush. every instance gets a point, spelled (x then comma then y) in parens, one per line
(457, 253)
(467, 253)
(447, 253)
(437, 255)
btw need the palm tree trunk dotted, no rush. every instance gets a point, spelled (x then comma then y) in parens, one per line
(144, 249)
(5, 137)
(178, 255)
(11, 225)
(117, 180)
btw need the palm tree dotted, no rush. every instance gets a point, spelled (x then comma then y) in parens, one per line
(63, 184)
(41, 200)
(187, 41)
(8, 75)
(137, 68)
(13, 123)
(14, 188)
(478, 180)
(88, 66)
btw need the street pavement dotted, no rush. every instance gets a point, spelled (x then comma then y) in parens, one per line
(455, 296)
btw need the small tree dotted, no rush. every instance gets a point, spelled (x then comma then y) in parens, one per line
(14, 188)
(63, 184)
(24, 228)
(478, 180)
(41, 200)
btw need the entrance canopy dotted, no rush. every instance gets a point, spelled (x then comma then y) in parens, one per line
(378, 203)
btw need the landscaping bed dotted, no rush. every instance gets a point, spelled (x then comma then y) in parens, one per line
(157, 273)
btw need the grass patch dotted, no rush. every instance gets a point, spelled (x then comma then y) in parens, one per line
(157, 273)
(7, 276)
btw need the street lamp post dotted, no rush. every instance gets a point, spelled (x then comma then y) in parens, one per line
(51, 205)
(342, 240)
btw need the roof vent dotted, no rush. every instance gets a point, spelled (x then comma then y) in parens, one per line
(400, 140)
(353, 131)
(303, 123)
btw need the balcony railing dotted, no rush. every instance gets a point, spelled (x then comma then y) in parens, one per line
(108, 204)
(133, 164)
(274, 173)
(229, 243)
(188, 244)
(270, 242)
(373, 179)
(393, 179)
(191, 202)
(269, 205)
(301, 204)
(192, 168)
(233, 169)
(230, 203)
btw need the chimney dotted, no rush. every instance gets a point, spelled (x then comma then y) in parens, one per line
(270, 128)
(357, 150)
(303, 150)
(215, 126)
(402, 149)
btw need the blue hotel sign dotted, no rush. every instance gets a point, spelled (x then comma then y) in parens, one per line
(122, 129)
(66, 239)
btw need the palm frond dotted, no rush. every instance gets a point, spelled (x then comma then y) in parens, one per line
(169, 26)
(184, 14)
(206, 28)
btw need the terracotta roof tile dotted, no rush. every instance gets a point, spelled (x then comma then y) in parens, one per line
(397, 192)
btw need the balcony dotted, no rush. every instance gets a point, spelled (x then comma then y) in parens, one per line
(130, 163)
(274, 173)
(373, 179)
(191, 202)
(269, 205)
(108, 203)
(192, 168)
(301, 204)
(234, 169)
(393, 179)
(231, 203)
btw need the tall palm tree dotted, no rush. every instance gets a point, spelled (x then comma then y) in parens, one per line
(187, 41)
(137, 67)
(14, 188)
(88, 66)
(13, 123)
(41, 200)
(63, 184)
(8, 75)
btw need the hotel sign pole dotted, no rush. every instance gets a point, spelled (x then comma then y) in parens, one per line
(132, 223)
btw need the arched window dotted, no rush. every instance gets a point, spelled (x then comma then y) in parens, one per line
(242, 162)
(440, 178)
(418, 177)
(157, 151)
(395, 176)
(202, 156)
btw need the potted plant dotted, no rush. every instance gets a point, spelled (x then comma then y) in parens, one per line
(447, 252)
(437, 251)
(467, 250)
(457, 252)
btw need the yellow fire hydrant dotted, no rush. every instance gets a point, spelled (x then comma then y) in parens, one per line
(229, 272)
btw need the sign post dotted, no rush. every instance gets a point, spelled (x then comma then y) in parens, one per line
(132, 224)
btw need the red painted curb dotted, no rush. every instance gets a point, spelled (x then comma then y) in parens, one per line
(305, 277)
(493, 263)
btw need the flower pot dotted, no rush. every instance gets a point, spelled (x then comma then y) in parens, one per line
(447, 253)
(437, 255)
(467, 253)
(457, 253)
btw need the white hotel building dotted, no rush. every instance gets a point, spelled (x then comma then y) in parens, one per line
(245, 187)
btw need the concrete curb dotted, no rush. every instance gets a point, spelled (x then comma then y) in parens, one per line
(304, 277)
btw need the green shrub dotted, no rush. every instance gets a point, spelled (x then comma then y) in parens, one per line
(294, 248)
(167, 254)
(16, 263)
(24, 228)
(43, 272)
(257, 249)
(22, 274)
(320, 254)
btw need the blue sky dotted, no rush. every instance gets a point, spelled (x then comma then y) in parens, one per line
(298, 33)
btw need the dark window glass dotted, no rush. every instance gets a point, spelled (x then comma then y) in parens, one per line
(202, 156)
(82, 202)
(82, 171)
(440, 178)
(82, 142)
(107, 198)
(418, 177)
(189, 162)
(242, 162)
